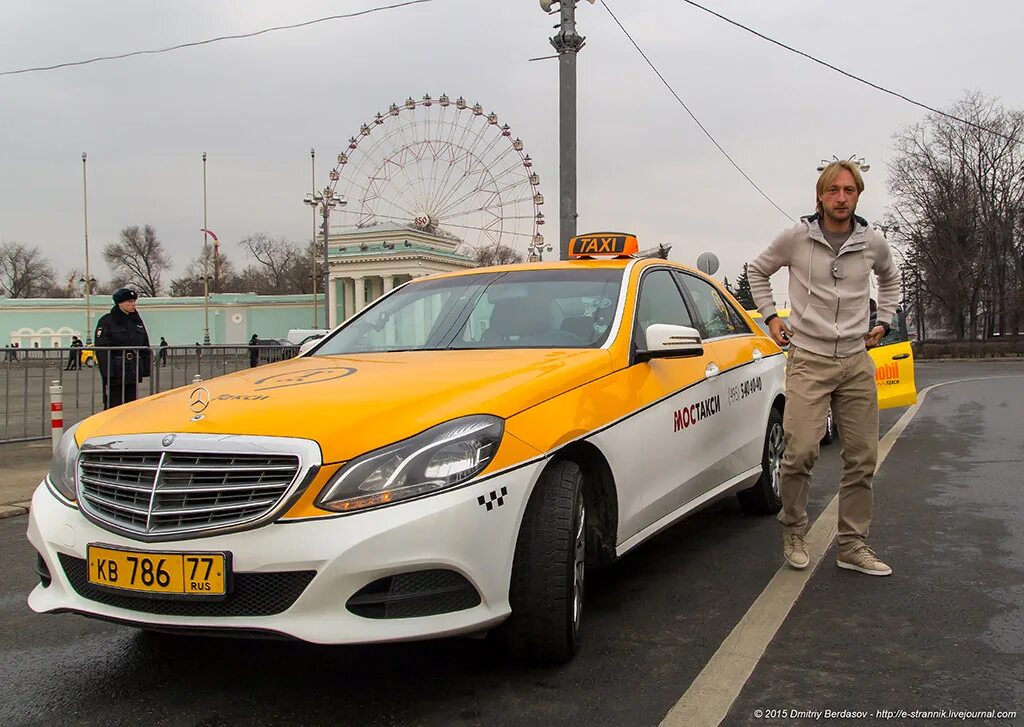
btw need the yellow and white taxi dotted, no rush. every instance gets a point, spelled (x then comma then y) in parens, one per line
(449, 461)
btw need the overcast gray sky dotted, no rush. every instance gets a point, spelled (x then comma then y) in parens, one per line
(257, 105)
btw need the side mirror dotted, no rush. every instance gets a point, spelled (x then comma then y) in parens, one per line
(669, 341)
(308, 345)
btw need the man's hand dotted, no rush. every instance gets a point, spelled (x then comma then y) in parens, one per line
(872, 339)
(780, 331)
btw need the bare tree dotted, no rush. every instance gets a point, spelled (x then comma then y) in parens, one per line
(959, 194)
(191, 283)
(24, 271)
(496, 254)
(281, 266)
(138, 259)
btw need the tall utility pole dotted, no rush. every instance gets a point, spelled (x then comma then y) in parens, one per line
(568, 43)
(312, 238)
(206, 266)
(88, 278)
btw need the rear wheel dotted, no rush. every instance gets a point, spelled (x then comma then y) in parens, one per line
(547, 586)
(765, 497)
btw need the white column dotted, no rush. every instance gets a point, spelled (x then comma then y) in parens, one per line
(389, 283)
(332, 309)
(360, 291)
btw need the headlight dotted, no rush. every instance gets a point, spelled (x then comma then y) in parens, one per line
(441, 457)
(62, 466)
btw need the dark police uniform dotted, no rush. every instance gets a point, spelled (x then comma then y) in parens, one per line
(122, 370)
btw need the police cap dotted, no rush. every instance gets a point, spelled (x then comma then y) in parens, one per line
(123, 294)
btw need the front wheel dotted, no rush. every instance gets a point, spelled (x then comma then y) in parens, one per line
(765, 497)
(547, 585)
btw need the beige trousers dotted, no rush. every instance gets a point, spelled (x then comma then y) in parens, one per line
(812, 383)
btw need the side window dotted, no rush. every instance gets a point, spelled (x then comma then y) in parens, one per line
(719, 318)
(660, 302)
(897, 330)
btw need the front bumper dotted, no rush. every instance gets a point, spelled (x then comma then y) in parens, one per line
(339, 556)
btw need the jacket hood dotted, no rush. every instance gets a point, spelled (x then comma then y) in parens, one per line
(355, 403)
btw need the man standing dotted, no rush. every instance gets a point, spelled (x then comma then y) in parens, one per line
(830, 256)
(122, 369)
(74, 355)
(163, 351)
(254, 351)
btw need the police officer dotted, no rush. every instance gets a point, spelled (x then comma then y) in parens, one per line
(122, 369)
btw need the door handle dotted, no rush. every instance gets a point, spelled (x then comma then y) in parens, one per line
(712, 371)
(757, 354)
(899, 356)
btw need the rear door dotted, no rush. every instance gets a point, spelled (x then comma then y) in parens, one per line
(894, 366)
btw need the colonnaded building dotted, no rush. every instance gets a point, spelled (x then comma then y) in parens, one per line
(363, 265)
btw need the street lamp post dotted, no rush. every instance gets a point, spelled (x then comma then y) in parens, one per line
(88, 278)
(568, 44)
(326, 201)
(312, 238)
(206, 266)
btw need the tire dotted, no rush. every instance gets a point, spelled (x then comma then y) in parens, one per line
(546, 590)
(764, 498)
(831, 428)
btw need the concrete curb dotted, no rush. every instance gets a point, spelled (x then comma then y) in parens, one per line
(13, 510)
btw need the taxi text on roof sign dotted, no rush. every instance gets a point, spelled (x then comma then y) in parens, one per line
(603, 243)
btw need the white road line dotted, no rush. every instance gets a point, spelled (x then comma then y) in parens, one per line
(712, 693)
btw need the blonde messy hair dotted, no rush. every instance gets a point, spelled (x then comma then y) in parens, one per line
(828, 177)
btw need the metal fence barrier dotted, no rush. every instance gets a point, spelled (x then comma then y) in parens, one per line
(27, 373)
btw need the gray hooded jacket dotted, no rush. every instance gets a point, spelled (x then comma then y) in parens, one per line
(828, 293)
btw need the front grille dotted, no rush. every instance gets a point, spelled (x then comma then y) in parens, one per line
(252, 594)
(164, 493)
(413, 594)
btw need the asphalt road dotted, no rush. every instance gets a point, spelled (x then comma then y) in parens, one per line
(946, 631)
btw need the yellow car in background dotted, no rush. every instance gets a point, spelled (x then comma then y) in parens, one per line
(894, 363)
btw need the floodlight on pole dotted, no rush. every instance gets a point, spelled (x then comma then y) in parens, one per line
(858, 161)
(326, 201)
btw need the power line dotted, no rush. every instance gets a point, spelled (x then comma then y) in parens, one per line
(213, 40)
(692, 116)
(875, 86)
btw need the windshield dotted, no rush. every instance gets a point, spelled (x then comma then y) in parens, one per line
(561, 308)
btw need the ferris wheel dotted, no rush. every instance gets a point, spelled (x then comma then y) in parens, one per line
(445, 167)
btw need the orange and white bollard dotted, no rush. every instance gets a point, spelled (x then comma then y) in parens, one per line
(56, 413)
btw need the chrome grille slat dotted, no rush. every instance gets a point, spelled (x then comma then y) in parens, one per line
(225, 488)
(123, 507)
(234, 468)
(257, 504)
(154, 493)
(119, 466)
(99, 482)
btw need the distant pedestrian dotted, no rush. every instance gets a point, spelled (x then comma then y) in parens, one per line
(122, 368)
(254, 351)
(830, 256)
(163, 351)
(74, 354)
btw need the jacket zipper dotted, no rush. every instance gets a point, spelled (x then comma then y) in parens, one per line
(839, 302)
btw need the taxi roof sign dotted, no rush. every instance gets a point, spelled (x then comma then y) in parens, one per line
(603, 244)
